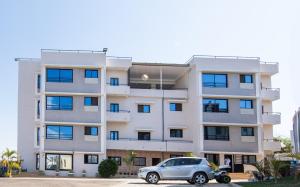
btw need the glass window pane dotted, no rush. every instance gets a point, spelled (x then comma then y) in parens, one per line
(94, 131)
(220, 81)
(66, 103)
(52, 132)
(208, 80)
(172, 107)
(66, 162)
(52, 161)
(66, 133)
(87, 101)
(146, 108)
(52, 75)
(66, 75)
(52, 103)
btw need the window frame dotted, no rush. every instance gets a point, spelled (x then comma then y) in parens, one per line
(175, 107)
(59, 134)
(114, 107)
(112, 132)
(86, 131)
(91, 101)
(59, 75)
(59, 156)
(144, 135)
(181, 134)
(143, 108)
(243, 78)
(216, 137)
(86, 159)
(91, 76)
(252, 133)
(38, 139)
(144, 160)
(248, 158)
(214, 84)
(214, 103)
(114, 158)
(37, 161)
(244, 105)
(59, 103)
(114, 81)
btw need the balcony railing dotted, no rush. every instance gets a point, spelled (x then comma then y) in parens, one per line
(271, 118)
(118, 89)
(270, 93)
(151, 145)
(118, 115)
(272, 145)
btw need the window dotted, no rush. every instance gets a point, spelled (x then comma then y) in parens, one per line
(214, 80)
(187, 161)
(38, 112)
(59, 132)
(114, 81)
(91, 73)
(117, 159)
(59, 103)
(246, 104)
(247, 131)
(114, 107)
(139, 161)
(214, 158)
(114, 135)
(143, 108)
(91, 159)
(38, 136)
(215, 105)
(59, 75)
(38, 82)
(175, 155)
(175, 106)
(216, 133)
(176, 133)
(37, 161)
(143, 135)
(246, 78)
(91, 131)
(155, 161)
(59, 161)
(249, 159)
(90, 101)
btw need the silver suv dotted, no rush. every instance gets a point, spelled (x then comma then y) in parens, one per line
(193, 169)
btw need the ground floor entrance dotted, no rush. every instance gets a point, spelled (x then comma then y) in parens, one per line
(142, 159)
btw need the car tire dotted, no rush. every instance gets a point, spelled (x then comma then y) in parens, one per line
(200, 178)
(152, 178)
(190, 181)
(226, 179)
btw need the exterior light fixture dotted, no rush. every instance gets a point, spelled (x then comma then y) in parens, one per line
(145, 77)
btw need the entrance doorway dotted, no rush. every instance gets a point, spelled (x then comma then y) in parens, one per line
(228, 160)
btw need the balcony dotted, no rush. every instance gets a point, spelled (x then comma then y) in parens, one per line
(272, 118)
(269, 68)
(151, 145)
(270, 94)
(121, 116)
(271, 145)
(118, 90)
(174, 94)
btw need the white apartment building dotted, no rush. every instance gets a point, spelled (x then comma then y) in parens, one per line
(77, 108)
(295, 133)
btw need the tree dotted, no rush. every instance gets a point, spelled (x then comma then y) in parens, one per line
(129, 159)
(287, 144)
(275, 166)
(108, 168)
(8, 161)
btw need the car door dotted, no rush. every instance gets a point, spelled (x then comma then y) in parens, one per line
(169, 170)
(184, 167)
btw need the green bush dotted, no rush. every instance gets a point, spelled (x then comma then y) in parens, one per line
(108, 168)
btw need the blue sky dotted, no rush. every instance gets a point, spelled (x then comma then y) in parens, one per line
(156, 31)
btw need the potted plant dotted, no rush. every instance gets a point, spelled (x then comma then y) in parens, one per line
(71, 173)
(83, 173)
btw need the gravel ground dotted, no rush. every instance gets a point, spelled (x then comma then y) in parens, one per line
(83, 182)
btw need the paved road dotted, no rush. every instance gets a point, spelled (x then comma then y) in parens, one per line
(81, 182)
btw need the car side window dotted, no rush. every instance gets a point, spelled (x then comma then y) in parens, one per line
(170, 163)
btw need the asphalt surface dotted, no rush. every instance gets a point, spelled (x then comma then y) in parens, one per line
(85, 182)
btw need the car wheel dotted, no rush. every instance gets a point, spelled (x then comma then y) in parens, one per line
(226, 179)
(190, 181)
(152, 178)
(200, 178)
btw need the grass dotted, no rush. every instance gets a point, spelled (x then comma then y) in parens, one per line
(284, 182)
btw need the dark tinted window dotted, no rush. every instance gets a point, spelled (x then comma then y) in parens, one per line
(214, 80)
(92, 131)
(139, 161)
(216, 133)
(144, 108)
(246, 78)
(246, 104)
(91, 73)
(59, 132)
(175, 106)
(59, 103)
(187, 161)
(117, 159)
(91, 101)
(114, 135)
(59, 75)
(143, 135)
(247, 131)
(176, 133)
(215, 105)
(91, 159)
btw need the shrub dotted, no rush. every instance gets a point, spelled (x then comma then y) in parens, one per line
(108, 168)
